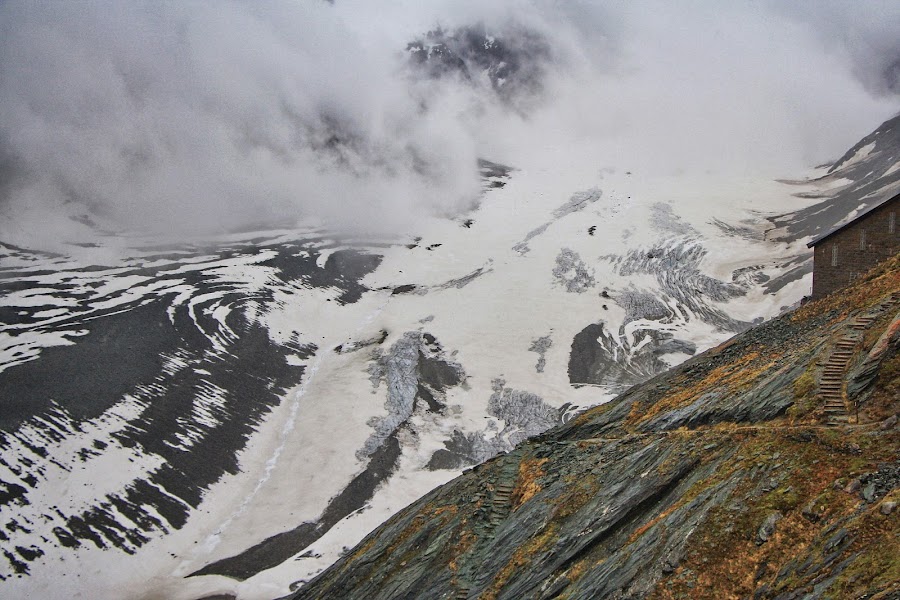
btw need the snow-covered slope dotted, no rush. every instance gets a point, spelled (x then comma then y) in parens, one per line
(866, 174)
(216, 419)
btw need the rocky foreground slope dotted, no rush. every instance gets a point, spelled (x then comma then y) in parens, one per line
(722, 478)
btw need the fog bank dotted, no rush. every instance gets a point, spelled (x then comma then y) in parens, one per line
(199, 117)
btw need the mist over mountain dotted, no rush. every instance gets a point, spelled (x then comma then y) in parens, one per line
(204, 117)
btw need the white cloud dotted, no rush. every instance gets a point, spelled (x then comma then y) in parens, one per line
(203, 116)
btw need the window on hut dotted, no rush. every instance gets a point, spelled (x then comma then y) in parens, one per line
(834, 253)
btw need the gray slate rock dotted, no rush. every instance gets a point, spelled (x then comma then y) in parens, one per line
(767, 528)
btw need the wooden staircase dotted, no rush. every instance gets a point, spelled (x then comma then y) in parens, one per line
(501, 504)
(500, 507)
(831, 384)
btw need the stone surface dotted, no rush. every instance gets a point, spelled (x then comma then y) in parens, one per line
(768, 528)
(696, 484)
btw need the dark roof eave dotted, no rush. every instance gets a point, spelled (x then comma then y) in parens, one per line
(828, 234)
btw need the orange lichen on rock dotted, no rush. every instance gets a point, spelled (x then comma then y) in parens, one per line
(521, 557)
(728, 375)
(526, 483)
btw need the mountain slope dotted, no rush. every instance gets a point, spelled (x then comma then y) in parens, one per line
(717, 479)
(867, 173)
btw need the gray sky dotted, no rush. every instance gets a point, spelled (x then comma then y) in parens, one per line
(206, 115)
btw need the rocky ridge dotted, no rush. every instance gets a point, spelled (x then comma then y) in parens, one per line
(724, 477)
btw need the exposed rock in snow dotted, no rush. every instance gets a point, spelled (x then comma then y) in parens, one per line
(413, 368)
(541, 345)
(572, 273)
